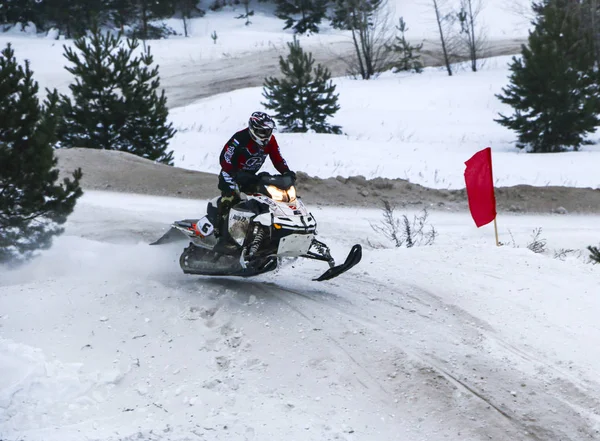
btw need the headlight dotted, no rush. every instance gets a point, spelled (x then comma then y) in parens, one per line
(276, 193)
(280, 195)
(291, 194)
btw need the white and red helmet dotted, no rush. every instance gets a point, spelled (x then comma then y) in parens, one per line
(261, 128)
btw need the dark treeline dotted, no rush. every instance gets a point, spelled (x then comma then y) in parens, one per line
(74, 18)
(142, 18)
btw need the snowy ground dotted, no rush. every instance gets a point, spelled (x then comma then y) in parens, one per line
(104, 338)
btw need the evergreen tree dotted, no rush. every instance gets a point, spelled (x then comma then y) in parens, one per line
(134, 17)
(594, 254)
(75, 18)
(32, 206)
(554, 88)
(115, 101)
(354, 14)
(310, 13)
(305, 97)
(408, 57)
(122, 13)
(20, 11)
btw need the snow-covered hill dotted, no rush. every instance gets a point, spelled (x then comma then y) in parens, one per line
(419, 127)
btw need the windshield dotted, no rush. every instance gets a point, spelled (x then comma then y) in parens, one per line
(279, 181)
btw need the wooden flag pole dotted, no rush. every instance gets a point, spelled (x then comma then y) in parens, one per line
(496, 230)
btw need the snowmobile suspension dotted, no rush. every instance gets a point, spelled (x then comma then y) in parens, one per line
(257, 241)
(323, 252)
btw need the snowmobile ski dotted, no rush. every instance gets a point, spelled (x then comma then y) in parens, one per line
(354, 257)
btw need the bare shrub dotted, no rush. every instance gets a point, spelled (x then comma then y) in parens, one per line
(449, 40)
(402, 231)
(538, 243)
(472, 32)
(512, 239)
(520, 9)
(563, 253)
(368, 23)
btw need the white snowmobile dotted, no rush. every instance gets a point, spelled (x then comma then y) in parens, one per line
(261, 229)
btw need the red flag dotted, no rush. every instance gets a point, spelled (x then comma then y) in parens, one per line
(480, 187)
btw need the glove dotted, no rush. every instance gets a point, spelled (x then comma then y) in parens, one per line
(246, 179)
(291, 174)
(228, 199)
(227, 202)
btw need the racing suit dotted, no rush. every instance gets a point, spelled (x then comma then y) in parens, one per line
(240, 159)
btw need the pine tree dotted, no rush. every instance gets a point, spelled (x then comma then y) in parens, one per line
(311, 13)
(594, 254)
(115, 101)
(408, 57)
(32, 206)
(305, 97)
(21, 11)
(554, 88)
(122, 13)
(354, 14)
(75, 18)
(134, 18)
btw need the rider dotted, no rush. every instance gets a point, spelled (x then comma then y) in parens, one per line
(241, 158)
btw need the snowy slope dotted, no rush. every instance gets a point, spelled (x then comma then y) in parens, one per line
(104, 338)
(420, 127)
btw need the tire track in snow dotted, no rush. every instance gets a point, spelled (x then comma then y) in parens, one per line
(376, 328)
(428, 380)
(556, 401)
(528, 418)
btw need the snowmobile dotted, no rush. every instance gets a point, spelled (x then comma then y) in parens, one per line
(261, 230)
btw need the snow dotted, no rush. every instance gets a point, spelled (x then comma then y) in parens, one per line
(235, 39)
(423, 127)
(420, 127)
(103, 338)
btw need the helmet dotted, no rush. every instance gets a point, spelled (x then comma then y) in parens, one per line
(261, 128)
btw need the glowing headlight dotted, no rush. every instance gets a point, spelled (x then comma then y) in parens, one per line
(291, 194)
(276, 193)
(280, 195)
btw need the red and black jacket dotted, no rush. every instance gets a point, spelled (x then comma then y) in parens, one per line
(241, 153)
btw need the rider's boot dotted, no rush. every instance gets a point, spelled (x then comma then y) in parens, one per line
(224, 240)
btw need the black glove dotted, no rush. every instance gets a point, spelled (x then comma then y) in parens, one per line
(291, 174)
(246, 179)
